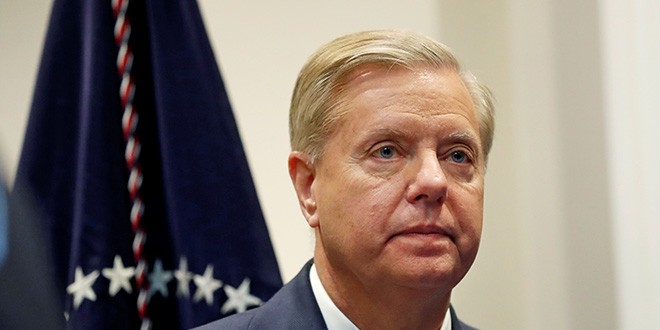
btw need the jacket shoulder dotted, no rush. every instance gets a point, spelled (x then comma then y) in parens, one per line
(238, 321)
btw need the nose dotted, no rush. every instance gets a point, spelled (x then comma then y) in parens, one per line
(428, 181)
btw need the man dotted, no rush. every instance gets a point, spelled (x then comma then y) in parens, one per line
(390, 141)
(29, 297)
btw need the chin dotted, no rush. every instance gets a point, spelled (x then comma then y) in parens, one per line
(431, 276)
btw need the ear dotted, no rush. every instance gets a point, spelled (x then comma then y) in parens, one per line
(302, 174)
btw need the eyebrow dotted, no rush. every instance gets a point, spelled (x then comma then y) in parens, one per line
(463, 136)
(466, 138)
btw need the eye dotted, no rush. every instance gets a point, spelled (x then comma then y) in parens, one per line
(459, 157)
(386, 152)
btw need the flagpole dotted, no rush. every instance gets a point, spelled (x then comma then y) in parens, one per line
(122, 32)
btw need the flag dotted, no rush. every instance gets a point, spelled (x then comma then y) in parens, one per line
(133, 155)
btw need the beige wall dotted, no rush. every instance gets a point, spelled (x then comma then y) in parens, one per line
(549, 256)
(630, 33)
(22, 29)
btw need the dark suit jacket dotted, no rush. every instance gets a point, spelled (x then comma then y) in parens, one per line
(292, 307)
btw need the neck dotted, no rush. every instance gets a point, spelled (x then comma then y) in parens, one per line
(378, 305)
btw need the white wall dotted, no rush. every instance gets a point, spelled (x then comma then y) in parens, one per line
(22, 30)
(631, 48)
(571, 223)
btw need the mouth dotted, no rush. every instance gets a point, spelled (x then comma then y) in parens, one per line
(424, 230)
(426, 234)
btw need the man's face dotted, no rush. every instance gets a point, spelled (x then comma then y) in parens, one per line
(398, 191)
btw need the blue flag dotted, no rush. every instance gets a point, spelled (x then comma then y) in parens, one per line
(133, 156)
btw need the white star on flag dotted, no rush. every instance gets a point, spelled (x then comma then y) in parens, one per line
(206, 285)
(183, 276)
(81, 287)
(119, 277)
(158, 279)
(240, 298)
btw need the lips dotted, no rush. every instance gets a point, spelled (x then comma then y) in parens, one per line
(425, 231)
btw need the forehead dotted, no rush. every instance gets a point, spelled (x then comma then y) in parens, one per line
(422, 106)
(423, 90)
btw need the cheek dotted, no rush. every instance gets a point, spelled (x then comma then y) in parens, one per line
(379, 200)
(469, 217)
(472, 231)
(358, 209)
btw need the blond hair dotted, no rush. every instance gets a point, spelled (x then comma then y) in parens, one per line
(312, 115)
